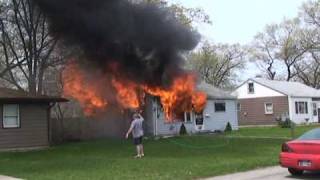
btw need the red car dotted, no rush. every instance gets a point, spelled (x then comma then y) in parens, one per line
(302, 154)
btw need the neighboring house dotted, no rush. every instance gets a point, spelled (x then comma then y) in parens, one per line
(24, 120)
(262, 101)
(221, 108)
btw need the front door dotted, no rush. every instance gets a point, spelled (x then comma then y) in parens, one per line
(199, 121)
(319, 115)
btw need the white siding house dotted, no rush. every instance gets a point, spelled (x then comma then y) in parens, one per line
(221, 108)
(260, 90)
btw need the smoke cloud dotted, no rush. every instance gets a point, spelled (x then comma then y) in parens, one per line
(144, 40)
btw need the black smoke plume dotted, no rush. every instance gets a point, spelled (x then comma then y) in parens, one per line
(145, 40)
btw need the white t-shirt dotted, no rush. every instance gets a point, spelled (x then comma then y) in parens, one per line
(137, 128)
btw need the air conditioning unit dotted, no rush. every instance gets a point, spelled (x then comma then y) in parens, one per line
(199, 127)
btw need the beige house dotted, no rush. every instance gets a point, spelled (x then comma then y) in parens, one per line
(24, 119)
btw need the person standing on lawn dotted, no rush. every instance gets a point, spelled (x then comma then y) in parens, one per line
(137, 133)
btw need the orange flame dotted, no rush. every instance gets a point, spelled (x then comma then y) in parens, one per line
(76, 87)
(199, 100)
(126, 94)
(180, 97)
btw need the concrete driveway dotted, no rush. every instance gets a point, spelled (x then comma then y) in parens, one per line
(8, 178)
(271, 173)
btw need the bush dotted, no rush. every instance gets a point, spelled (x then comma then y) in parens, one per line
(183, 130)
(228, 127)
(286, 123)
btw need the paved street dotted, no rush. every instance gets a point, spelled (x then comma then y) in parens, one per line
(7, 178)
(271, 173)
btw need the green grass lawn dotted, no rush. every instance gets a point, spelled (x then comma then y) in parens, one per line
(272, 131)
(172, 158)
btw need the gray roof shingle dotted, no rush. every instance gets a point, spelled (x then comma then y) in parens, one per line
(14, 95)
(295, 89)
(215, 93)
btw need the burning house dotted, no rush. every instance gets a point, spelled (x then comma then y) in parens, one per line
(122, 52)
(220, 109)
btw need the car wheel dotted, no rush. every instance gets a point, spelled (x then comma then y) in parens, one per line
(295, 172)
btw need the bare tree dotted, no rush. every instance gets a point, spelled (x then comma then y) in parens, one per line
(186, 15)
(28, 48)
(280, 43)
(216, 63)
(311, 12)
(309, 70)
(262, 52)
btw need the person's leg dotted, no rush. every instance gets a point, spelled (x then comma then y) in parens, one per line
(136, 143)
(138, 150)
(141, 150)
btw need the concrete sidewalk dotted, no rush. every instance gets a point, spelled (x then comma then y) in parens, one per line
(8, 178)
(270, 173)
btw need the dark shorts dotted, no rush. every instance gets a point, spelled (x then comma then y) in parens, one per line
(137, 141)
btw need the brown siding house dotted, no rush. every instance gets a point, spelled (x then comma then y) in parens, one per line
(265, 102)
(252, 111)
(24, 119)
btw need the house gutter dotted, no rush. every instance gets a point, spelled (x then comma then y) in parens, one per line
(49, 121)
(156, 127)
(155, 112)
(290, 108)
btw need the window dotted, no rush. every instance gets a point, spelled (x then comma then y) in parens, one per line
(301, 107)
(199, 118)
(314, 108)
(187, 117)
(220, 107)
(268, 108)
(11, 116)
(251, 88)
(238, 107)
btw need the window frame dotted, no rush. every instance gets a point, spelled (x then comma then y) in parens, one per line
(220, 102)
(298, 109)
(238, 107)
(200, 117)
(314, 109)
(4, 126)
(265, 108)
(250, 92)
(191, 117)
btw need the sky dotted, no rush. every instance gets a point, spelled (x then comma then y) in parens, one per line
(238, 21)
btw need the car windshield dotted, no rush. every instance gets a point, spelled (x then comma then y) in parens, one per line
(311, 135)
